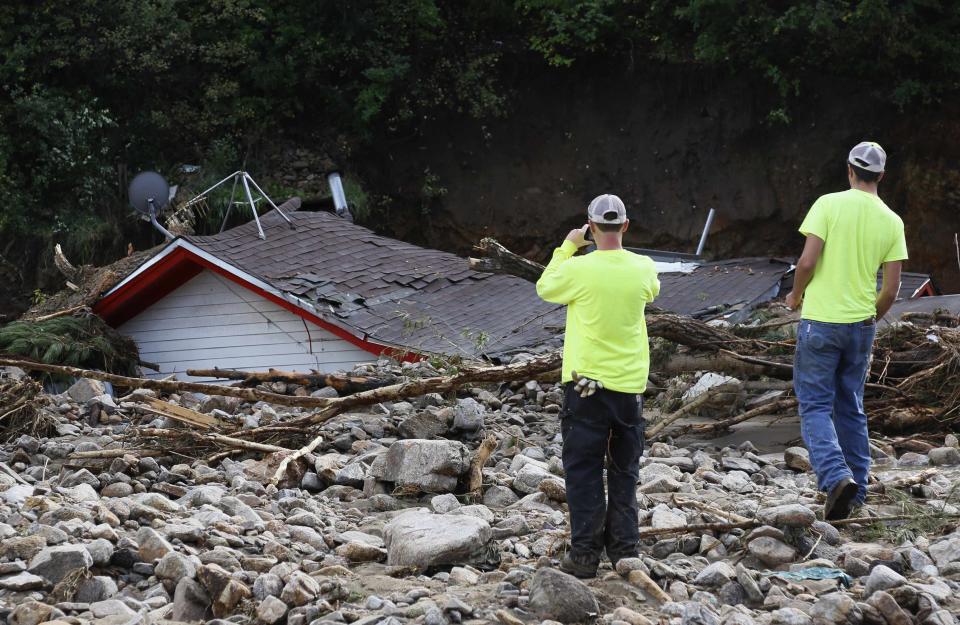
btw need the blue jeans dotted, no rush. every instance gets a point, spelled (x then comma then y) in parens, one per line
(830, 369)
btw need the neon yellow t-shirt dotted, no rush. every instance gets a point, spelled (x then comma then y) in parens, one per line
(859, 233)
(605, 293)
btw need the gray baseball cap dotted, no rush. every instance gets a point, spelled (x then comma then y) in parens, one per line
(868, 155)
(607, 209)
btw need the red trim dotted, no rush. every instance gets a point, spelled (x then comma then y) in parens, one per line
(180, 265)
(926, 290)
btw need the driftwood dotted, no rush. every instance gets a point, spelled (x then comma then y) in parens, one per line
(501, 260)
(480, 457)
(767, 408)
(183, 415)
(705, 507)
(211, 438)
(654, 431)
(643, 581)
(343, 384)
(303, 451)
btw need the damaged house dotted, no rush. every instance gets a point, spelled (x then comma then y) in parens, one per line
(322, 295)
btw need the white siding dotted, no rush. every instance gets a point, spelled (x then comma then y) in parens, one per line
(211, 321)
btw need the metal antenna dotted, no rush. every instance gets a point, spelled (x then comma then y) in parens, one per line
(245, 180)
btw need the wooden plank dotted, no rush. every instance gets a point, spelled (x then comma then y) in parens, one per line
(183, 415)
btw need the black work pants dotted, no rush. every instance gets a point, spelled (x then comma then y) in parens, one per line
(605, 428)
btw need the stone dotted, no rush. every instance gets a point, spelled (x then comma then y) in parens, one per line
(560, 597)
(629, 616)
(913, 459)
(190, 602)
(797, 459)
(888, 607)
(30, 613)
(836, 608)
(225, 591)
(23, 547)
(789, 616)
(84, 389)
(423, 426)
(789, 515)
(111, 607)
(96, 588)
(749, 583)
(695, 613)
(663, 517)
(737, 482)
(429, 466)
(267, 585)
(715, 575)
(300, 589)
(946, 550)
(271, 610)
(882, 578)
(117, 489)
(173, 567)
(468, 416)
(356, 551)
(101, 550)
(443, 504)
(23, 581)
(771, 551)
(528, 478)
(499, 497)
(153, 546)
(732, 463)
(420, 538)
(54, 563)
(941, 456)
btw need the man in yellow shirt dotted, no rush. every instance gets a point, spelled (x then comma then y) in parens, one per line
(606, 342)
(850, 235)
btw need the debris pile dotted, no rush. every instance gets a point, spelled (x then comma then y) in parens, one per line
(439, 499)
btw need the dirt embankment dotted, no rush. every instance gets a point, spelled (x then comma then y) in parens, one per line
(673, 145)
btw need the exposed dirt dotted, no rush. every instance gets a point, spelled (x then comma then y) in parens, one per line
(672, 145)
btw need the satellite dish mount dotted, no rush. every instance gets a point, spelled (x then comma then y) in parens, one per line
(149, 194)
(245, 180)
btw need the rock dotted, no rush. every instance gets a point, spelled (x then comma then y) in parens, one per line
(356, 551)
(695, 613)
(771, 551)
(882, 578)
(23, 581)
(468, 416)
(944, 456)
(117, 489)
(913, 459)
(732, 463)
(97, 588)
(499, 497)
(789, 616)
(30, 613)
(715, 575)
(423, 426)
(663, 517)
(749, 583)
(267, 585)
(101, 550)
(190, 602)
(54, 563)
(271, 610)
(528, 478)
(946, 550)
(629, 616)
(737, 482)
(797, 459)
(836, 608)
(300, 589)
(111, 607)
(84, 389)
(789, 515)
(419, 538)
(443, 504)
(173, 567)
(225, 592)
(560, 597)
(153, 546)
(887, 606)
(22, 547)
(429, 466)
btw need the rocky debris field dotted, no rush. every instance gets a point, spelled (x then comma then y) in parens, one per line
(375, 525)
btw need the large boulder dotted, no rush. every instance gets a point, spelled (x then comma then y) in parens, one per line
(420, 538)
(556, 596)
(54, 563)
(427, 466)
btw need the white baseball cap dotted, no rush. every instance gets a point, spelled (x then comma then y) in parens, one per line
(868, 155)
(607, 209)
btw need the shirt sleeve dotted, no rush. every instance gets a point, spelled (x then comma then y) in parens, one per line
(558, 284)
(816, 222)
(654, 283)
(898, 251)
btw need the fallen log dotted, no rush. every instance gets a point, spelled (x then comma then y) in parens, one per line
(501, 260)
(343, 384)
(654, 431)
(768, 408)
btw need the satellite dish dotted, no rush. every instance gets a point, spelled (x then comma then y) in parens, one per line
(149, 194)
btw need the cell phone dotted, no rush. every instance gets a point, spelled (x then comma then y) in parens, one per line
(588, 236)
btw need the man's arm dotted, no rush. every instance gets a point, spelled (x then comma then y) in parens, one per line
(890, 288)
(556, 284)
(804, 271)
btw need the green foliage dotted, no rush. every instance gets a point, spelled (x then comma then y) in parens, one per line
(94, 89)
(83, 341)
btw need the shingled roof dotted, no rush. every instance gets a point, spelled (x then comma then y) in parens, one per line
(392, 292)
